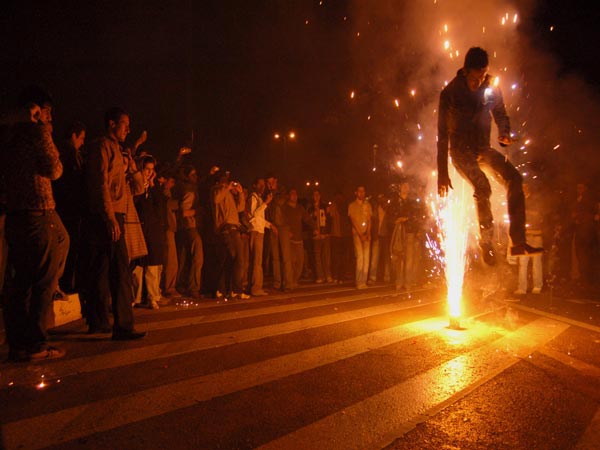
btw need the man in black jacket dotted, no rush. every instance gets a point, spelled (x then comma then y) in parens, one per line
(466, 108)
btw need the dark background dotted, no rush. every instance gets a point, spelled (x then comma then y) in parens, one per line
(232, 73)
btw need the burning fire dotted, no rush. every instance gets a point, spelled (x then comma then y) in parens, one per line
(454, 220)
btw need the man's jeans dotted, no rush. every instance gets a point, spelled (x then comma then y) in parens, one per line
(362, 252)
(536, 266)
(38, 244)
(469, 166)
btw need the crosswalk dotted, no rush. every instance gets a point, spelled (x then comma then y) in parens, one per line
(337, 369)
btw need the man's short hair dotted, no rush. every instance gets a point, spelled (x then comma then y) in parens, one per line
(115, 113)
(476, 58)
(36, 95)
(147, 159)
(76, 128)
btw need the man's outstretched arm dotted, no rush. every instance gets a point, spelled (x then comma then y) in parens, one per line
(444, 182)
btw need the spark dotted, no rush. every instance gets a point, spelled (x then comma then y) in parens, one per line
(483, 30)
(413, 92)
(374, 169)
(352, 94)
(397, 103)
(41, 384)
(514, 86)
(446, 45)
(446, 27)
(528, 141)
(552, 28)
(515, 18)
(556, 147)
(496, 81)
(399, 164)
(306, 22)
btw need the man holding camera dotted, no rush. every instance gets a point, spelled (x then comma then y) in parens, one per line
(228, 202)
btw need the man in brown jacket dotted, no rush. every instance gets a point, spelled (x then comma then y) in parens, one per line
(107, 167)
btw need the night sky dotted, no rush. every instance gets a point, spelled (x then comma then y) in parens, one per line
(234, 72)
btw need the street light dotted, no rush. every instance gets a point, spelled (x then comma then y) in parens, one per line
(284, 138)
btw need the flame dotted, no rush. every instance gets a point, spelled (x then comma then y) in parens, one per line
(452, 214)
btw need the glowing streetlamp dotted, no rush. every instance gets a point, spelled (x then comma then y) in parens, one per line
(284, 138)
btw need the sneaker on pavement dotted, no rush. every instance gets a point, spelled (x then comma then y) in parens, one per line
(154, 305)
(259, 294)
(172, 294)
(519, 292)
(489, 253)
(49, 352)
(536, 290)
(241, 296)
(164, 301)
(128, 335)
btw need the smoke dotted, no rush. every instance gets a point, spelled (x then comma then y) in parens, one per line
(406, 48)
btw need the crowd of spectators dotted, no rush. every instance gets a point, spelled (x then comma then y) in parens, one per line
(124, 230)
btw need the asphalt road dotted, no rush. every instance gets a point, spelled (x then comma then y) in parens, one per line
(326, 367)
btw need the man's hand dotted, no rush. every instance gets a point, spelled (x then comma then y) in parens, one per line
(505, 140)
(444, 185)
(143, 137)
(114, 229)
(235, 186)
(269, 198)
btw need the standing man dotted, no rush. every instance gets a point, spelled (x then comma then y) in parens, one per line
(257, 235)
(69, 192)
(109, 262)
(228, 203)
(403, 220)
(279, 242)
(37, 239)
(360, 213)
(466, 108)
(534, 235)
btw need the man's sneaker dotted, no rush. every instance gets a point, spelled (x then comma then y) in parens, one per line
(536, 290)
(241, 296)
(154, 305)
(489, 253)
(47, 353)
(519, 292)
(128, 335)
(172, 294)
(525, 249)
(259, 293)
(164, 301)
